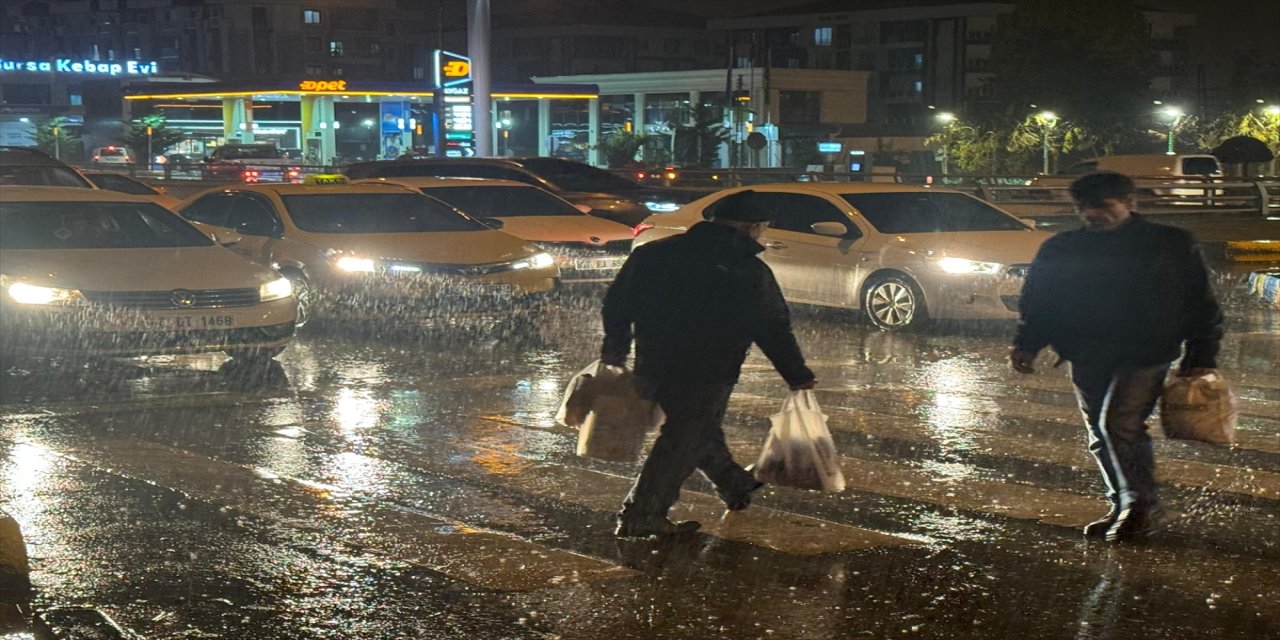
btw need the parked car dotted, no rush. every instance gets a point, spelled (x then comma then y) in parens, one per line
(901, 254)
(587, 248)
(607, 195)
(124, 184)
(372, 250)
(94, 273)
(253, 163)
(111, 155)
(27, 166)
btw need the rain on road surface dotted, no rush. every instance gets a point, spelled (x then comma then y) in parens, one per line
(410, 482)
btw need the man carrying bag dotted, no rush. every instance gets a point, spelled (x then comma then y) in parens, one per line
(697, 301)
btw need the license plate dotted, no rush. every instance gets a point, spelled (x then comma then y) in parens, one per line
(202, 322)
(597, 264)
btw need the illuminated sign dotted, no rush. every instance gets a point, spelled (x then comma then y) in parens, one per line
(86, 67)
(457, 137)
(830, 147)
(323, 85)
(452, 69)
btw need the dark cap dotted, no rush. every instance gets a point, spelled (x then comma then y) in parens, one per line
(743, 206)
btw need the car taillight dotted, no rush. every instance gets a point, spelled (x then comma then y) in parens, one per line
(640, 228)
(95, 158)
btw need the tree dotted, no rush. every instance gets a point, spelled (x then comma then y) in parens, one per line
(620, 148)
(698, 144)
(162, 137)
(1089, 60)
(59, 139)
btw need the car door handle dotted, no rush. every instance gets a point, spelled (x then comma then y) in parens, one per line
(775, 245)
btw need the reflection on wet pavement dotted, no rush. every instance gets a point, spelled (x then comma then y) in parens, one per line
(397, 484)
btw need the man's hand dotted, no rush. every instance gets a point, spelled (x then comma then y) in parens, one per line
(1195, 372)
(804, 385)
(1022, 361)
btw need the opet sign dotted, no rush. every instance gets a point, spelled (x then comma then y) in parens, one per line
(87, 67)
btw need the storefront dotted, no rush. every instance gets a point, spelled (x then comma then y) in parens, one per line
(337, 121)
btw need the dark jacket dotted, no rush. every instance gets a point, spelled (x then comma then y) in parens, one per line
(697, 301)
(1129, 297)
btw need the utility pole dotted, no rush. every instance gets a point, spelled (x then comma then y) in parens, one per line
(478, 51)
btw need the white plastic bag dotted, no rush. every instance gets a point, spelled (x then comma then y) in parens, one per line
(611, 415)
(1199, 408)
(799, 451)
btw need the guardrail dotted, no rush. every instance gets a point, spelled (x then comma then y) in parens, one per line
(230, 172)
(1032, 195)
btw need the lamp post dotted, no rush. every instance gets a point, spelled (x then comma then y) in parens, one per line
(947, 119)
(1175, 114)
(1048, 120)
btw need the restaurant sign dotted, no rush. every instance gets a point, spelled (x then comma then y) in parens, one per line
(83, 67)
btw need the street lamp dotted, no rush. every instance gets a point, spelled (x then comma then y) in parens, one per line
(1047, 120)
(947, 119)
(1175, 114)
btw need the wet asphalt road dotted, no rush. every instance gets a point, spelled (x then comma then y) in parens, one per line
(410, 482)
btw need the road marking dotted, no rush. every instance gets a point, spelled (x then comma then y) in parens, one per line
(481, 557)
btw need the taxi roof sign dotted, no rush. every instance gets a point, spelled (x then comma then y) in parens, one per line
(326, 178)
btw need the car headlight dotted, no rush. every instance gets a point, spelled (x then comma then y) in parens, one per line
(962, 266)
(535, 261)
(24, 293)
(352, 264)
(275, 290)
(661, 207)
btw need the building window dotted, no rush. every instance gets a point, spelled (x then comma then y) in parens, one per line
(27, 94)
(335, 47)
(375, 50)
(822, 37)
(310, 16)
(314, 70)
(419, 73)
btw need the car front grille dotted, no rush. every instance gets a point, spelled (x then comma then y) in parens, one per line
(175, 299)
(437, 269)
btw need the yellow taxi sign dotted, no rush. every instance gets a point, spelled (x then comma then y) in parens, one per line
(322, 179)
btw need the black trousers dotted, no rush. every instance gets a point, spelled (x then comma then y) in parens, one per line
(691, 438)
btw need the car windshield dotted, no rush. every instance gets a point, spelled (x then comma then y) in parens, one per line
(502, 202)
(123, 184)
(375, 213)
(249, 153)
(930, 213)
(94, 225)
(573, 176)
(43, 176)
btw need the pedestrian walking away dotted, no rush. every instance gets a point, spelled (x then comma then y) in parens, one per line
(695, 303)
(1120, 299)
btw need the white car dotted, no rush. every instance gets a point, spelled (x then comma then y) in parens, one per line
(899, 253)
(93, 273)
(111, 155)
(587, 248)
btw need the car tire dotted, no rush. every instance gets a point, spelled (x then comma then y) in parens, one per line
(893, 303)
(255, 354)
(302, 292)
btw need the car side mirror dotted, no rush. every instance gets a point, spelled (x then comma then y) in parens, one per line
(1028, 221)
(492, 223)
(832, 229)
(226, 237)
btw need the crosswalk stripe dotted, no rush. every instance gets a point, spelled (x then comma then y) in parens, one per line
(481, 557)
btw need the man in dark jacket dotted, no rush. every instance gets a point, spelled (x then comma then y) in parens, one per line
(1119, 299)
(697, 302)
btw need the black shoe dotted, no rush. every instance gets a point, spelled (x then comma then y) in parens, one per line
(1135, 523)
(1099, 528)
(740, 499)
(662, 527)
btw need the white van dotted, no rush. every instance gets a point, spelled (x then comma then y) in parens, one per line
(1152, 165)
(1150, 171)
